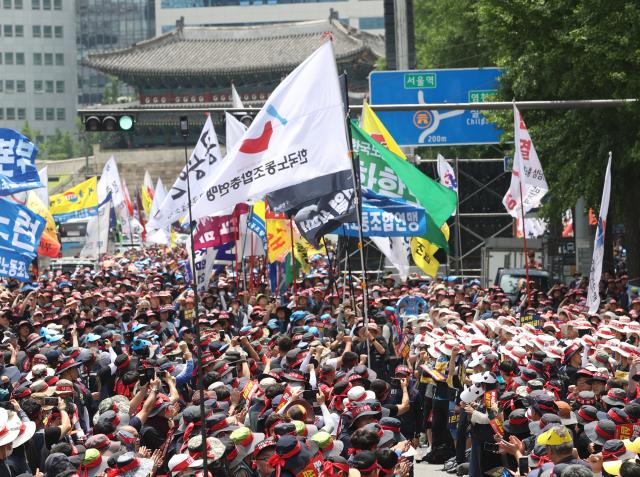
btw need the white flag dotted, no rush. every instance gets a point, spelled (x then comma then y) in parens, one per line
(160, 236)
(527, 177)
(235, 98)
(97, 233)
(593, 295)
(205, 261)
(534, 226)
(234, 130)
(397, 250)
(110, 183)
(43, 192)
(204, 160)
(249, 244)
(447, 175)
(298, 135)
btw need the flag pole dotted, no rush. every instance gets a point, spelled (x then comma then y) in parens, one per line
(524, 231)
(293, 263)
(458, 230)
(184, 129)
(357, 196)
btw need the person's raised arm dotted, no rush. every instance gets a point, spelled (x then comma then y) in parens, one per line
(138, 398)
(405, 405)
(65, 422)
(154, 388)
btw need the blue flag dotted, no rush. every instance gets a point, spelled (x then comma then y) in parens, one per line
(384, 216)
(17, 163)
(20, 229)
(14, 265)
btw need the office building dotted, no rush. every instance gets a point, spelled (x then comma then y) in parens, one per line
(38, 74)
(366, 15)
(107, 25)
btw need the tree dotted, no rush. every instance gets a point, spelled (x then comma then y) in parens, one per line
(111, 91)
(567, 49)
(447, 35)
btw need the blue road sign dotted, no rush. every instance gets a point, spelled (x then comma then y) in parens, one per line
(432, 127)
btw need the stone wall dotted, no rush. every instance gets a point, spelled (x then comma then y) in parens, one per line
(165, 163)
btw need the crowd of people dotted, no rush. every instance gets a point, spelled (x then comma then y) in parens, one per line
(102, 377)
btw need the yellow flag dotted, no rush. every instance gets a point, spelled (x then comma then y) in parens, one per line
(78, 202)
(372, 125)
(49, 244)
(423, 253)
(147, 200)
(278, 239)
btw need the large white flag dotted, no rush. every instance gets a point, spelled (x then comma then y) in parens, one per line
(298, 135)
(110, 183)
(527, 178)
(593, 295)
(204, 160)
(43, 192)
(97, 233)
(234, 130)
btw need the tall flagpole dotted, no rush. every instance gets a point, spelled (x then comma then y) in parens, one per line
(458, 229)
(293, 263)
(184, 129)
(356, 182)
(524, 231)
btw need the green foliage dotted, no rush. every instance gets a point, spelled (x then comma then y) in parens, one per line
(111, 91)
(563, 49)
(447, 35)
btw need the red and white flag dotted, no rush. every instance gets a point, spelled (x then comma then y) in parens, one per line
(528, 185)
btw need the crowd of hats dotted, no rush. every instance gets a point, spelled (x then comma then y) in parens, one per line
(276, 396)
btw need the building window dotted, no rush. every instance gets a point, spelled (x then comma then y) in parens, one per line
(46, 4)
(37, 59)
(35, 4)
(48, 86)
(22, 114)
(39, 114)
(19, 30)
(1, 85)
(20, 86)
(57, 4)
(48, 59)
(58, 31)
(17, 4)
(11, 114)
(1, 113)
(19, 58)
(59, 86)
(8, 30)
(59, 59)
(46, 31)
(37, 31)
(60, 114)
(8, 58)
(6, 4)
(37, 86)
(50, 114)
(9, 86)
(371, 23)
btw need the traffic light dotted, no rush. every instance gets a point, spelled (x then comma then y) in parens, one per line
(245, 117)
(108, 122)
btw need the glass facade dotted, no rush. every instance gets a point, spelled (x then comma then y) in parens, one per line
(226, 3)
(104, 25)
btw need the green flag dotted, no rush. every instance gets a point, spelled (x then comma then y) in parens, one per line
(383, 172)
